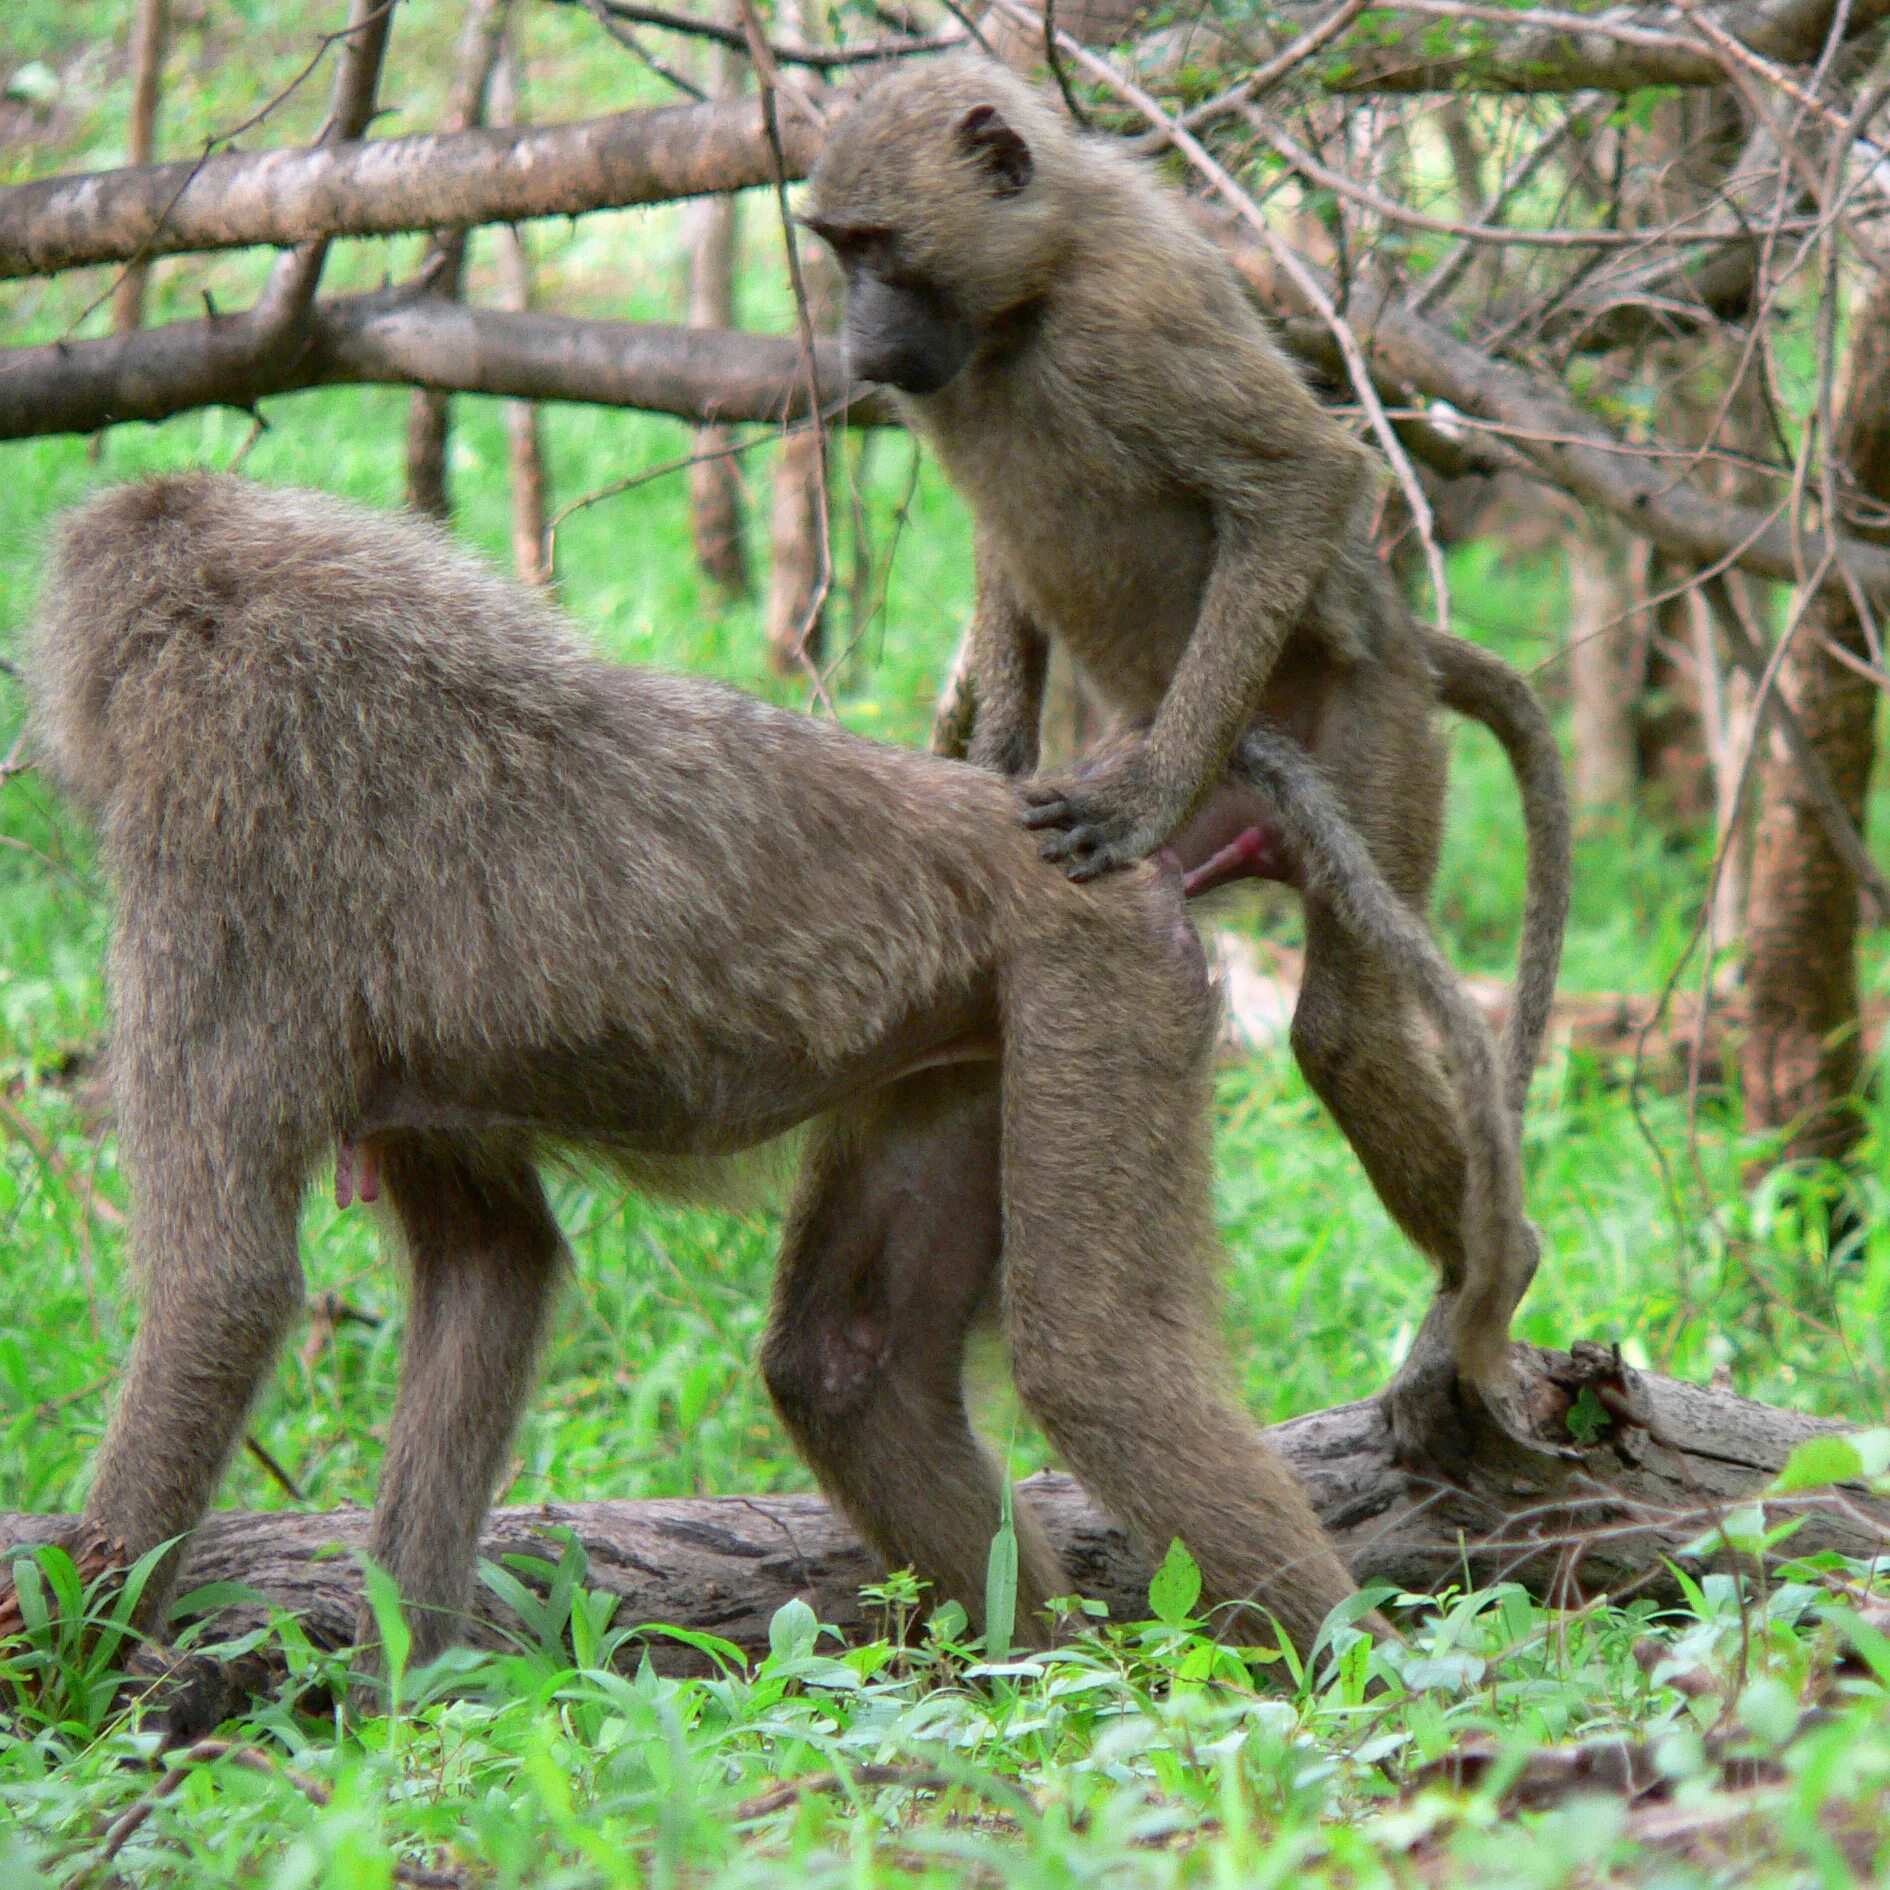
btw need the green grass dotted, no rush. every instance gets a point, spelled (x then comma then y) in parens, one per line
(1142, 1758)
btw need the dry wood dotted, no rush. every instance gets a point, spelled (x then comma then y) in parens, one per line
(1567, 49)
(525, 446)
(399, 338)
(715, 480)
(724, 1564)
(427, 181)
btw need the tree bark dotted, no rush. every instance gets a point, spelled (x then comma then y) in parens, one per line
(432, 180)
(723, 1565)
(1803, 1058)
(148, 32)
(429, 414)
(1564, 443)
(1604, 670)
(800, 572)
(715, 484)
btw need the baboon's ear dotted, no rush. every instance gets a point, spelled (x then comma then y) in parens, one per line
(1002, 152)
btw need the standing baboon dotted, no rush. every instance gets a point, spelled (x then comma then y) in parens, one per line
(401, 870)
(1152, 483)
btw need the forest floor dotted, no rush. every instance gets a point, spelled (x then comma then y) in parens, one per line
(1750, 1722)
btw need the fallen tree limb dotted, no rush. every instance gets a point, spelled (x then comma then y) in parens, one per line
(428, 181)
(400, 338)
(722, 1565)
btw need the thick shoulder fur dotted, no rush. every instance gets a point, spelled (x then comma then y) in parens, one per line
(144, 577)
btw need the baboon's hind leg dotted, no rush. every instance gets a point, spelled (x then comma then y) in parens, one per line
(890, 1256)
(484, 1253)
(1430, 1122)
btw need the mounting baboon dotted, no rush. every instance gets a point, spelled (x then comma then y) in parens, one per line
(402, 871)
(1152, 483)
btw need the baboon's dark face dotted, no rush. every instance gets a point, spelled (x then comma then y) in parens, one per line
(902, 329)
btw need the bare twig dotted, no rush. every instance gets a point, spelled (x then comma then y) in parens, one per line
(864, 52)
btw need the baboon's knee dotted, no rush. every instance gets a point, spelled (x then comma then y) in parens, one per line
(823, 1372)
(1057, 1389)
(1323, 1043)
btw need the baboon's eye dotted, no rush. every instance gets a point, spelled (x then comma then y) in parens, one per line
(855, 245)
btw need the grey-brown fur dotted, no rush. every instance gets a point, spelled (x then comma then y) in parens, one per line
(400, 867)
(1152, 483)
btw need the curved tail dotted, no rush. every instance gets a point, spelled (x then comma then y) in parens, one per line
(1473, 683)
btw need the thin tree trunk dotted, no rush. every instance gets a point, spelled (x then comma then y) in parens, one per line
(148, 33)
(428, 410)
(715, 484)
(1726, 716)
(1604, 670)
(1670, 724)
(1803, 1056)
(531, 554)
(796, 606)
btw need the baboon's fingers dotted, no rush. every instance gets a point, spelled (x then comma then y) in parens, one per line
(1046, 807)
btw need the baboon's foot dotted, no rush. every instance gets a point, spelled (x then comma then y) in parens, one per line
(1433, 1434)
(1441, 1422)
(187, 1696)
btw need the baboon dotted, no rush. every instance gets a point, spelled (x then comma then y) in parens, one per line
(1151, 482)
(402, 871)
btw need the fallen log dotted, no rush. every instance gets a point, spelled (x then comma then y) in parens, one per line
(1616, 1028)
(1673, 1459)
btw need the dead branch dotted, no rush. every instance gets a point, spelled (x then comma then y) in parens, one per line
(786, 52)
(401, 339)
(1569, 447)
(434, 180)
(1674, 1458)
(1546, 49)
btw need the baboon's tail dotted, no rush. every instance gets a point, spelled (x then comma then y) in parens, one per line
(1473, 683)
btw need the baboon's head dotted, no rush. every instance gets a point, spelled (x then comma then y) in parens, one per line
(942, 194)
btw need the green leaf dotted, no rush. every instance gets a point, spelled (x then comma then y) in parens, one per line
(1176, 1587)
(1000, 1585)
(793, 1631)
(1821, 1461)
(390, 1624)
(1587, 1416)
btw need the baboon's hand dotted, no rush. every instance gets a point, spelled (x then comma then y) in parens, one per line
(1108, 816)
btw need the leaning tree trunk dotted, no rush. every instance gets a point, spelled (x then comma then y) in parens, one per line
(1803, 1056)
(715, 487)
(428, 412)
(801, 571)
(148, 32)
